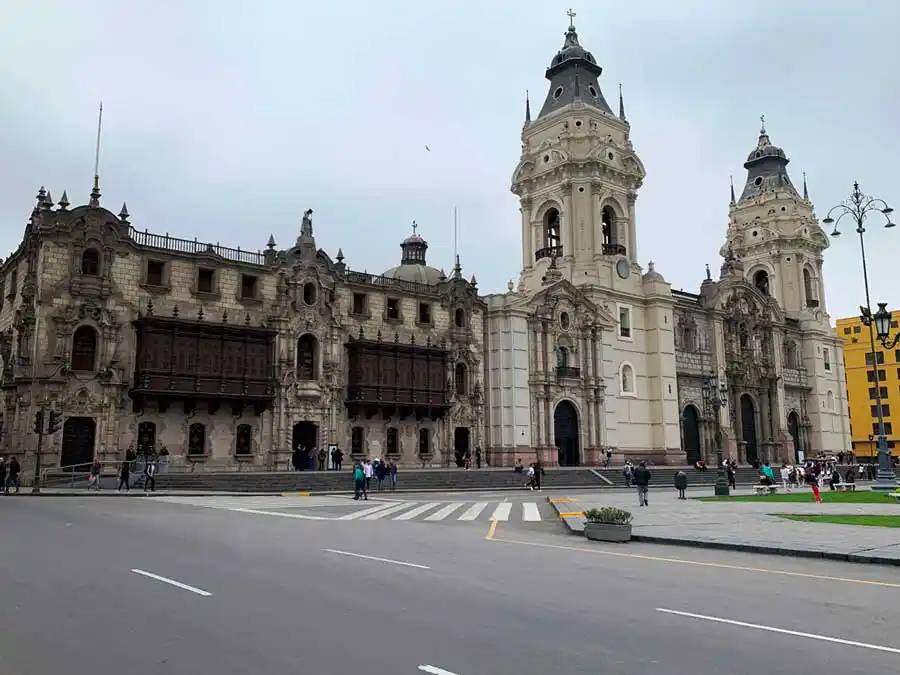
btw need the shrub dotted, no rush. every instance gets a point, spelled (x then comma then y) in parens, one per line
(608, 515)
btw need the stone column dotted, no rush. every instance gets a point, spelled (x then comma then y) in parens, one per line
(528, 246)
(568, 223)
(738, 427)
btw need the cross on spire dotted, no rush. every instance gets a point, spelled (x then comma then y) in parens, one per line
(571, 18)
(415, 226)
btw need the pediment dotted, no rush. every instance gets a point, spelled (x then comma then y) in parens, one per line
(523, 171)
(563, 295)
(736, 297)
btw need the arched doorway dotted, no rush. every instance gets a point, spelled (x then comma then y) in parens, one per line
(79, 436)
(794, 429)
(460, 444)
(305, 434)
(748, 427)
(565, 429)
(690, 425)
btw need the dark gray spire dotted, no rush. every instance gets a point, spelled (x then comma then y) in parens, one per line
(64, 201)
(805, 189)
(622, 105)
(733, 200)
(767, 169)
(527, 108)
(573, 75)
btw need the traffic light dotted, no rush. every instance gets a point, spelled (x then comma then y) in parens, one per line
(55, 422)
(39, 421)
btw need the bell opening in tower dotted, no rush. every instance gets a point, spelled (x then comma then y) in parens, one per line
(552, 236)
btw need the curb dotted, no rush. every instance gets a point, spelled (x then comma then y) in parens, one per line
(574, 522)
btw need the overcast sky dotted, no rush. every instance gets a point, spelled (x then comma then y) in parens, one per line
(225, 120)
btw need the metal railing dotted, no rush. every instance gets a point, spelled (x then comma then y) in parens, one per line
(164, 242)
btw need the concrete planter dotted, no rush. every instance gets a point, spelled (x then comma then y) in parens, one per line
(619, 534)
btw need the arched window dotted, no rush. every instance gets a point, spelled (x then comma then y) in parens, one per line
(790, 354)
(608, 219)
(90, 263)
(243, 440)
(307, 357)
(462, 386)
(562, 357)
(197, 439)
(357, 440)
(553, 232)
(829, 401)
(761, 281)
(392, 441)
(424, 442)
(84, 349)
(459, 317)
(809, 288)
(627, 379)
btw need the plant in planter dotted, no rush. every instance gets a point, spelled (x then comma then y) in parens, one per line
(608, 524)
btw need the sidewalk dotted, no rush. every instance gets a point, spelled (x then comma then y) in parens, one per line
(137, 492)
(745, 526)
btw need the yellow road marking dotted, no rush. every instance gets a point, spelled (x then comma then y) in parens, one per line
(571, 514)
(697, 563)
(561, 500)
(491, 530)
(295, 494)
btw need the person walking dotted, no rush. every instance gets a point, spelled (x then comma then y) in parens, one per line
(150, 475)
(359, 483)
(680, 483)
(125, 477)
(12, 475)
(641, 479)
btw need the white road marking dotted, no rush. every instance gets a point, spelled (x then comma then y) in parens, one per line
(279, 514)
(434, 670)
(365, 512)
(444, 512)
(782, 631)
(502, 511)
(418, 511)
(530, 512)
(172, 582)
(385, 512)
(474, 511)
(372, 557)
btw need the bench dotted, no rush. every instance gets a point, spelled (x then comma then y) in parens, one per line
(845, 487)
(765, 489)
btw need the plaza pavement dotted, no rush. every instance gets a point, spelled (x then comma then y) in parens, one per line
(745, 526)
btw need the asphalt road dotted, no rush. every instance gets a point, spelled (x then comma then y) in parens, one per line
(274, 595)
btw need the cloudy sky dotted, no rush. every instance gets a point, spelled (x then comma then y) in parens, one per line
(225, 120)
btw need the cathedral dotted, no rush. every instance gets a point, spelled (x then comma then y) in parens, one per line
(224, 359)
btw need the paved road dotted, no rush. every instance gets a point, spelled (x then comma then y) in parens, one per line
(281, 595)
(428, 508)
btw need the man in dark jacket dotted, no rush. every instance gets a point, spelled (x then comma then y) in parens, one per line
(12, 474)
(641, 479)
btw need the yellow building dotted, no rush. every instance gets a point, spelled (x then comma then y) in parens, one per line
(861, 392)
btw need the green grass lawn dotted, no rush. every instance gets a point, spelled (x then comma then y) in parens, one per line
(867, 521)
(860, 497)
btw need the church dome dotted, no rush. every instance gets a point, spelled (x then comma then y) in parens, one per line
(652, 275)
(412, 265)
(572, 50)
(767, 170)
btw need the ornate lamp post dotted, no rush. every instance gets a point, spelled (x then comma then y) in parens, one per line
(858, 207)
(715, 396)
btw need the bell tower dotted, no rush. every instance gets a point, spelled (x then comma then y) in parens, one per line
(577, 180)
(773, 230)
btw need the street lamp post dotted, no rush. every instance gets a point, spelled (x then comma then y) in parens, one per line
(857, 208)
(715, 396)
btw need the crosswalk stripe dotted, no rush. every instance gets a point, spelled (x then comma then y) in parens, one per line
(418, 511)
(530, 512)
(502, 511)
(474, 511)
(446, 511)
(386, 512)
(365, 512)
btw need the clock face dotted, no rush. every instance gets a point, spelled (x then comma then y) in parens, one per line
(623, 268)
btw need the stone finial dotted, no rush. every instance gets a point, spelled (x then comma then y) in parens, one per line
(474, 281)
(64, 201)
(123, 213)
(271, 242)
(47, 204)
(340, 255)
(41, 195)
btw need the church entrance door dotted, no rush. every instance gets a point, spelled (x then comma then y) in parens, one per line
(565, 427)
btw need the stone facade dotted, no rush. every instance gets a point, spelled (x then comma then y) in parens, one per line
(82, 275)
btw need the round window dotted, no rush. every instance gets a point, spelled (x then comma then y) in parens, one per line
(546, 158)
(610, 157)
(758, 181)
(558, 92)
(578, 123)
(581, 189)
(309, 293)
(755, 233)
(592, 91)
(564, 321)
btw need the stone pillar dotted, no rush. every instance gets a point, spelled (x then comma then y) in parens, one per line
(738, 427)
